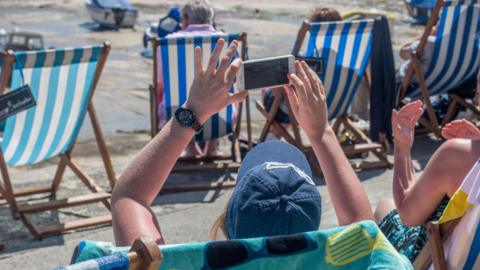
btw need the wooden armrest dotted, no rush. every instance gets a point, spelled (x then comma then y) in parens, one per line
(145, 255)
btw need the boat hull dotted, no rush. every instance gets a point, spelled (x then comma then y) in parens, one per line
(112, 18)
(420, 13)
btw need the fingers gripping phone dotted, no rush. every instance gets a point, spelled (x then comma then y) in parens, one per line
(263, 73)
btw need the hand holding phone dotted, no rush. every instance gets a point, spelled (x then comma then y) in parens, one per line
(264, 73)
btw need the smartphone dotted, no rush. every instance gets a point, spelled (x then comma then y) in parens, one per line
(263, 73)
(315, 63)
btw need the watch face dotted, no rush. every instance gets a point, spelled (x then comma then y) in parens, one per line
(185, 117)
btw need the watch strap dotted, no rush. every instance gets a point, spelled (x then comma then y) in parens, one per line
(197, 127)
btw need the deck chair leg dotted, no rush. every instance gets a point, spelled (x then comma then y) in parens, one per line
(58, 175)
(277, 100)
(426, 97)
(235, 149)
(294, 123)
(379, 152)
(451, 110)
(85, 178)
(336, 125)
(6, 189)
(352, 128)
(465, 104)
(31, 227)
(102, 147)
(436, 246)
(153, 111)
(249, 122)
(283, 132)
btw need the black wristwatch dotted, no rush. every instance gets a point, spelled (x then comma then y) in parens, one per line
(186, 118)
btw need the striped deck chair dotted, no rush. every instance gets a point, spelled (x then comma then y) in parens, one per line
(454, 241)
(455, 58)
(344, 48)
(173, 74)
(62, 82)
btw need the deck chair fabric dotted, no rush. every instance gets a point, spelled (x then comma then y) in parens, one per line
(175, 74)
(62, 82)
(358, 246)
(455, 59)
(344, 48)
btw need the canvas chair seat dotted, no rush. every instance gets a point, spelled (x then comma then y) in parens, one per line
(62, 81)
(51, 127)
(343, 48)
(174, 71)
(358, 246)
(175, 74)
(455, 59)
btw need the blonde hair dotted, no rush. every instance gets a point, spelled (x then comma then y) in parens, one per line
(219, 224)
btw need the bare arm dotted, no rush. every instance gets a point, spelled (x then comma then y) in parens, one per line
(142, 181)
(346, 191)
(417, 198)
(145, 176)
(307, 100)
(405, 52)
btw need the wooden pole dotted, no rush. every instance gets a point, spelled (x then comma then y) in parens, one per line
(6, 70)
(91, 111)
(145, 255)
(154, 91)
(300, 37)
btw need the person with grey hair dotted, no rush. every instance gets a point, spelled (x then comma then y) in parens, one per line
(197, 18)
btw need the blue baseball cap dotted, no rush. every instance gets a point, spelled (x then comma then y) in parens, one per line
(274, 195)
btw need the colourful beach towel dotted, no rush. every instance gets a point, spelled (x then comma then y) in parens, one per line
(358, 246)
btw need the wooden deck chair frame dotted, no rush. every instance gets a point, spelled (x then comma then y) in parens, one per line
(433, 252)
(227, 163)
(8, 193)
(365, 145)
(431, 125)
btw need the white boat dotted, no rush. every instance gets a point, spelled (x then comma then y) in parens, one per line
(112, 13)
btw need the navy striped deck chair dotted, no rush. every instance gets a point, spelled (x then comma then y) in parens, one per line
(173, 75)
(344, 49)
(455, 58)
(62, 82)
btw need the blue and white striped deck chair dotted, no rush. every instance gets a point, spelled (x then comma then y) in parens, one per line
(455, 57)
(173, 76)
(62, 82)
(344, 49)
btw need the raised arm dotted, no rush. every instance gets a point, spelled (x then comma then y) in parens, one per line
(417, 198)
(308, 101)
(145, 176)
(461, 129)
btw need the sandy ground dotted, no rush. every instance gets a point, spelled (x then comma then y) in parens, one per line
(122, 106)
